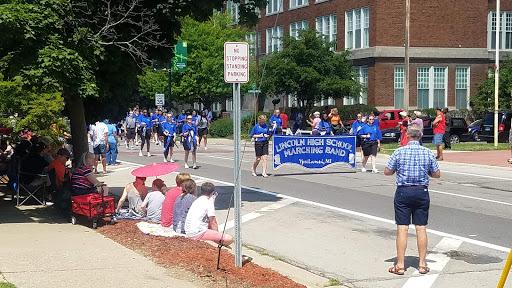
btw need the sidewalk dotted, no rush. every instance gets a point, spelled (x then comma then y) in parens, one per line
(40, 250)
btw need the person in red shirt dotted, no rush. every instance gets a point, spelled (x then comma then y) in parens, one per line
(284, 118)
(439, 125)
(170, 198)
(59, 165)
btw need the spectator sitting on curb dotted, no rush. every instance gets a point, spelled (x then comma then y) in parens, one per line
(170, 198)
(182, 205)
(201, 223)
(152, 205)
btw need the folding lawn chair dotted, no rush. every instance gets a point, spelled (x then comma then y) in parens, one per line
(37, 192)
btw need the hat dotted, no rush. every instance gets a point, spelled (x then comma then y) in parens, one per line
(439, 108)
(64, 152)
(316, 113)
(417, 113)
(403, 113)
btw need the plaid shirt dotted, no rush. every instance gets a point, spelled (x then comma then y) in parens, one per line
(412, 164)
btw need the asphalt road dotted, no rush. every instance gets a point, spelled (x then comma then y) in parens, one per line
(339, 222)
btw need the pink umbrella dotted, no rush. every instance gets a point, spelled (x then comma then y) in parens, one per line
(155, 169)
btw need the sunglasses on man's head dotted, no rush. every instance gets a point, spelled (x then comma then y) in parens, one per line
(189, 118)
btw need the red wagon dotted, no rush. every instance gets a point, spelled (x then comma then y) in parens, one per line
(93, 206)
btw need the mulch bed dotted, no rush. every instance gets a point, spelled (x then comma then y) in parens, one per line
(196, 256)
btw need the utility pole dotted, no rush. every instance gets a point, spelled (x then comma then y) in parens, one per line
(406, 66)
(497, 73)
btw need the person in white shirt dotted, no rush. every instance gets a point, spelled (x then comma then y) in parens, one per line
(152, 204)
(201, 223)
(99, 135)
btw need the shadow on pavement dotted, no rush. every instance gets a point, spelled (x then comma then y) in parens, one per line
(410, 261)
(29, 213)
(223, 199)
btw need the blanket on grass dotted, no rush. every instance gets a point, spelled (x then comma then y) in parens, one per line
(157, 229)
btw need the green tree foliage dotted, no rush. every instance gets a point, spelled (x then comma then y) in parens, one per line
(203, 82)
(151, 82)
(483, 101)
(91, 49)
(41, 112)
(309, 69)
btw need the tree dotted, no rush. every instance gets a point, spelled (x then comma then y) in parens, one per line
(153, 81)
(70, 46)
(41, 112)
(203, 82)
(308, 68)
(483, 101)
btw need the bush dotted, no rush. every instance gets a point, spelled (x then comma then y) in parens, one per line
(222, 128)
(248, 121)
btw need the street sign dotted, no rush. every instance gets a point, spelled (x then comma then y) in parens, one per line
(179, 62)
(159, 100)
(254, 91)
(254, 86)
(236, 62)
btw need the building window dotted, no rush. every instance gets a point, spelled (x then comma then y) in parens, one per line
(216, 107)
(292, 101)
(505, 31)
(298, 3)
(232, 9)
(274, 39)
(254, 46)
(325, 102)
(357, 28)
(229, 105)
(328, 26)
(432, 87)
(274, 6)
(399, 87)
(461, 87)
(362, 78)
(296, 26)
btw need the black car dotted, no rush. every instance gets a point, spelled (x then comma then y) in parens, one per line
(458, 131)
(487, 126)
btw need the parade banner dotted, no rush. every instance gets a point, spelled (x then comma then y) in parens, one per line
(313, 152)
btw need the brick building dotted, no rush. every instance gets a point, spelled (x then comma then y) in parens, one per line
(452, 46)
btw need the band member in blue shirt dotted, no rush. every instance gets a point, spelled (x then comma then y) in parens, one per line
(145, 126)
(190, 140)
(260, 134)
(276, 122)
(324, 127)
(169, 130)
(182, 119)
(370, 143)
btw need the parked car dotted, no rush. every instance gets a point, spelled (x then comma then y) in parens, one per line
(387, 119)
(458, 131)
(474, 129)
(487, 126)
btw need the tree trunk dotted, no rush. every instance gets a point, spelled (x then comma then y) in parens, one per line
(75, 106)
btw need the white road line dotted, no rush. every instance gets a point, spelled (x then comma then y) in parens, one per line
(468, 174)
(367, 216)
(253, 215)
(471, 197)
(436, 262)
(355, 213)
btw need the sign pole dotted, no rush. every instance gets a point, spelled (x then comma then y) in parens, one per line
(236, 71)
(237, 174)
(497, 73)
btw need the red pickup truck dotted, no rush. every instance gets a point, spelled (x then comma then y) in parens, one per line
(387, 119)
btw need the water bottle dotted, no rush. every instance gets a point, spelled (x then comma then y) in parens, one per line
(178, 227)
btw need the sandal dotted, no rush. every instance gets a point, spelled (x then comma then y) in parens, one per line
(510, 160)
(397, 270)
(424, 268)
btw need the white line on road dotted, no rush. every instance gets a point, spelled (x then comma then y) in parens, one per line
(355, 213)
(436, 262)
(470, 197)
(467, 174)
(253, 215)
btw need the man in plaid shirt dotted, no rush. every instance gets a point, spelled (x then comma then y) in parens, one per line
(413, 165)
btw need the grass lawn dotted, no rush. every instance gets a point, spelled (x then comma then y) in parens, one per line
(6, 285)
(388, 148)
